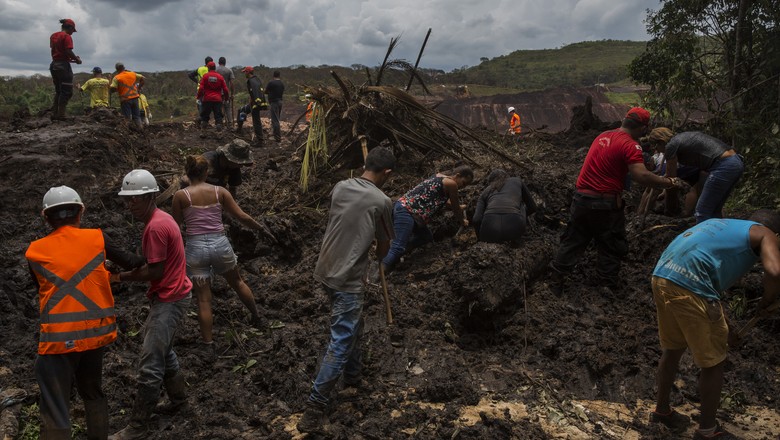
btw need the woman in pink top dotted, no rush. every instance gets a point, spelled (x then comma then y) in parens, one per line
(199, 207)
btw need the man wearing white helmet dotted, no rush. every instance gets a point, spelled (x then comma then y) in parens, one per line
(169, 294)
(77, 314)
(514, 121)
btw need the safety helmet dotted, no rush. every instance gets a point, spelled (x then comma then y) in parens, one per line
(60, 195)
(138, 182)
(510, 109)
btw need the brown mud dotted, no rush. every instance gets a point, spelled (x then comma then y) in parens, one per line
(480, 347)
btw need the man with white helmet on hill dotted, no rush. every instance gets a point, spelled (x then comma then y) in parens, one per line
(77, 314)
(514, 121)
(169, 294)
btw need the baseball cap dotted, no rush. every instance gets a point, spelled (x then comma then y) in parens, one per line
(69, 22)
(97, 69)
(248, 69)
(639, 114)
(211, 64)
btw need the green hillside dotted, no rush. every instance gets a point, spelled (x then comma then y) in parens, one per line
(579, 64)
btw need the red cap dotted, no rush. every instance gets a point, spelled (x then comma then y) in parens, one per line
(70, 23)
(248, 69)
(639, 114)
(211, 65)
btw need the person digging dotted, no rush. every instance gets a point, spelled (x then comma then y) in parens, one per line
(688, 283)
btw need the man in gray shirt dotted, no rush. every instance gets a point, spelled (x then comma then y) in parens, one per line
(227, 73)
(359, 214)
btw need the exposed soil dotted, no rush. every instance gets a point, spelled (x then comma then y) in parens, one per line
(480, 348)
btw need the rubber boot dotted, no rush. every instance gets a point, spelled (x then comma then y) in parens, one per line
(54, 434)
(176, 388)
(97, 418)
(138, 428)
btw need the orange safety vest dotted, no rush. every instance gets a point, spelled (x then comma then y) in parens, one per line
(77, 307)
(514, 123)
(125, 85)
(309, 111)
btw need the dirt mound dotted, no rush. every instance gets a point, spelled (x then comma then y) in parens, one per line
(481, 347)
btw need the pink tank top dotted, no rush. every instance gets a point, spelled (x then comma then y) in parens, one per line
(203, 219)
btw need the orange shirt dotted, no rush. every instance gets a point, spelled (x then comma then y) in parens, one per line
(514, 123)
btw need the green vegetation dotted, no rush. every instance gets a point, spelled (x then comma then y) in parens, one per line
(579, 64)
(629, 98)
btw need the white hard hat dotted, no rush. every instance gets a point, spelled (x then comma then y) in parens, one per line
(138, 182)
(510, 109)
(60, 195)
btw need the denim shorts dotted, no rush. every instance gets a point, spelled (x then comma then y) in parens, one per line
(207, 253)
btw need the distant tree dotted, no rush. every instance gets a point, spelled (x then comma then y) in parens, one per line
(484, 59)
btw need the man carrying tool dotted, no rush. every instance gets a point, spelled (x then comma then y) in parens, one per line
(359, 214)
(126, 84)
(275, 91)
(97, 87)
(597, 207)
(211, 92)
(227, 100)
(169, 295)
(688, 284)
(61, 44)
(77, 314)
(514, 121)
(257, 102)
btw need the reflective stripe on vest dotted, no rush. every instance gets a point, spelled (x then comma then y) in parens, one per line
(126, 90)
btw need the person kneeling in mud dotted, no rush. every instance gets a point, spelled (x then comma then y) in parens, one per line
(503, 209)
(413, 211)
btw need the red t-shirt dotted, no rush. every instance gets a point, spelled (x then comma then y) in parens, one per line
(606, 164)
(162, 242)
(60, 43)
(212, 87)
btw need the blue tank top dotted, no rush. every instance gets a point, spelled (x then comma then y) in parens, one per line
(709, 258)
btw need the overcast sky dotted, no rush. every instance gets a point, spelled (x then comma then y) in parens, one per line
(158, 35)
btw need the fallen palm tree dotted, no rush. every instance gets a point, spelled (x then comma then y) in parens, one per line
(351, 119)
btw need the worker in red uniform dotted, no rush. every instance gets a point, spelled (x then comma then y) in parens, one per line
(211, 91)
(597, 206)
(77, 314)
(62, 55)
(514, 121)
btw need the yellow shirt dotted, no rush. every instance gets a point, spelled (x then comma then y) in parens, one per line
(98, 91)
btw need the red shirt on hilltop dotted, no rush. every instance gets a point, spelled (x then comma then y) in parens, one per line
(212, 87)
(60, 43)
(606, 164)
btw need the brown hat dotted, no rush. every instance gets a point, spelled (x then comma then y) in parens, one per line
(237, 151)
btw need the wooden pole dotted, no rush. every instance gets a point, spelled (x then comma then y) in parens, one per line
(388, 309)
(417, 63)
(752, 323)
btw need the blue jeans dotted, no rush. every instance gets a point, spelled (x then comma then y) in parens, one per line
(723, 176)
(408, 235)
(131, 110)
(343, 354)
(157, 355)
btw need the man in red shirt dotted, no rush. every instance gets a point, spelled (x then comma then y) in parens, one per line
(597, 207)
(211, 91)
(169, 293)
(62, 55)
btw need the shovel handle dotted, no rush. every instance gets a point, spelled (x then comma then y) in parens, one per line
(753, 321)
(388, 310)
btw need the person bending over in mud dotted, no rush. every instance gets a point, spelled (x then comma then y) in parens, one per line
(502, 209)
(413, 211)
(199, 207)
(688, 282)
(359, 214)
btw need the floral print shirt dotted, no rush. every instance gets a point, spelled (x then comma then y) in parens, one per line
(425, 199)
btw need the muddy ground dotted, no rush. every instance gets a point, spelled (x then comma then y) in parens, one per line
(538, 366)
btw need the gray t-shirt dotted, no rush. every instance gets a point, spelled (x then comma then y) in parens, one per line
(695, 148)
(359, 213)
(227, 74)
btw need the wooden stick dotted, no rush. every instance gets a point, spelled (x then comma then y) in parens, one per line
(752, 323)
(388, 309)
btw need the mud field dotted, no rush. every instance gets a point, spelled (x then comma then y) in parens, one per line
(480, 348)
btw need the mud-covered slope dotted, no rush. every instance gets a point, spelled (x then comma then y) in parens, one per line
(536, 366)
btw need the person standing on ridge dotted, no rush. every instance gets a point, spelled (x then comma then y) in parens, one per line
(126, 84)
(275, 92)
(61, 44)
(227, 100)
(196, 75)
(211, 93)
(97, 87)
(257, 102)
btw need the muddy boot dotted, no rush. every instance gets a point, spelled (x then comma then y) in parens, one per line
(313, 419)
(176, 388)
(97, 418)
(138, 428)
(54, 434)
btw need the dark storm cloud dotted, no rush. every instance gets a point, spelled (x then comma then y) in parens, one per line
(134, 5)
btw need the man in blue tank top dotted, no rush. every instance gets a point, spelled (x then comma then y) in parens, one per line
(688, 281)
